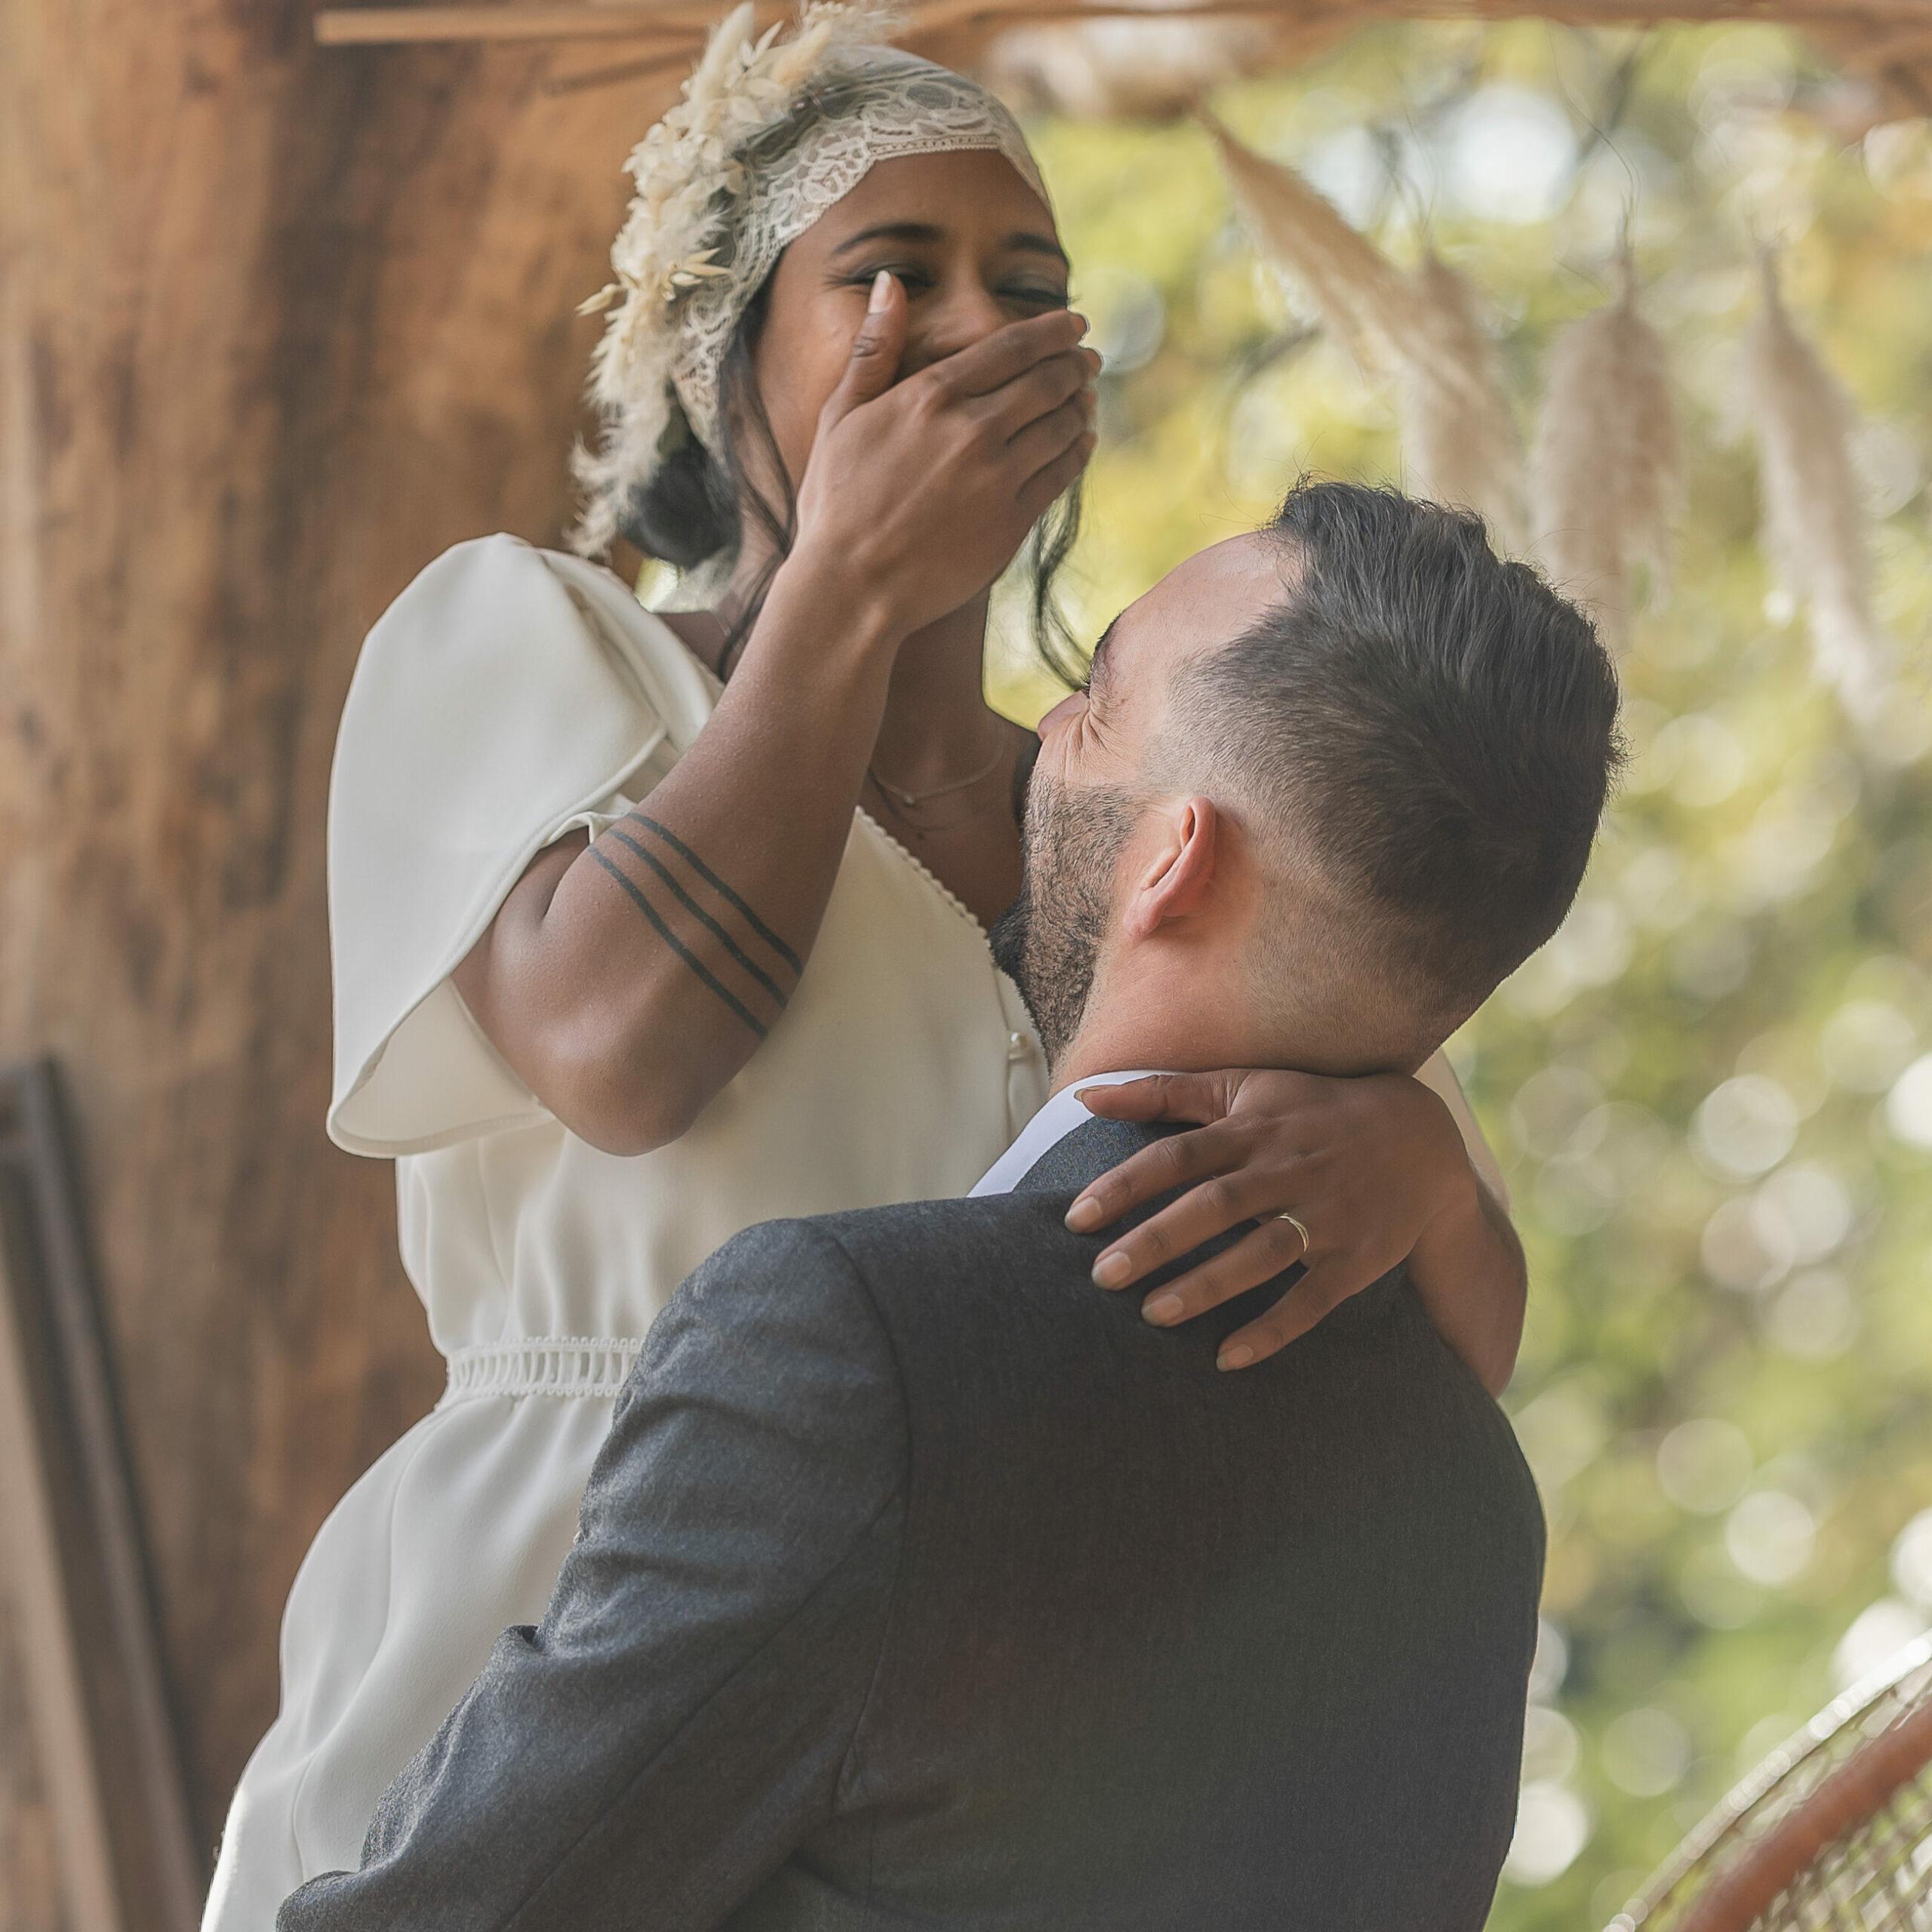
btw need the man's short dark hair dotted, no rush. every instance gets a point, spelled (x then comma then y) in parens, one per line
(1433, 727)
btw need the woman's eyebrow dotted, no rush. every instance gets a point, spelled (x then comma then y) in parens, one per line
(891, 231)
(1025, 241)
(1022, 241)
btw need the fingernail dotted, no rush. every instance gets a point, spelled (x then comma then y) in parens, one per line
(1111, 1271)
(1239, 1356)
(881, 291)
(1164, 1308)
(1083, 1216)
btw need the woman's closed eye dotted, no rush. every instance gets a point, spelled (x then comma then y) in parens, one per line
(917, 281)
(1044, 295)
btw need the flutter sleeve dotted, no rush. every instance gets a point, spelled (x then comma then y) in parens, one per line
(507, 695)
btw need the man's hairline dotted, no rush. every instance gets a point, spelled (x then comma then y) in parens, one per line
(1284, 850)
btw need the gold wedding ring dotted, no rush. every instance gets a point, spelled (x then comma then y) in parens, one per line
(1300, 1228)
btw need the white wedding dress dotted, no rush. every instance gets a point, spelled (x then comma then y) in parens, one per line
(509, 694)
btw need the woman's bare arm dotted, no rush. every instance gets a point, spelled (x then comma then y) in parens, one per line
(627, 978)
(1469, 1270)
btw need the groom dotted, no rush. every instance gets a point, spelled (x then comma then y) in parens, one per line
(919, 1584)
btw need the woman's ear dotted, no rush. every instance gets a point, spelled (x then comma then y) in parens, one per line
(1177, 878)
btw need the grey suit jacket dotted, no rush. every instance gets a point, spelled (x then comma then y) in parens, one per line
(920, 1582)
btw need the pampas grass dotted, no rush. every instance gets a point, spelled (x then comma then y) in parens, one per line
(1359, 296)
(1605, 471)
(1816, 533)
(1459, 437)
(1459, 434)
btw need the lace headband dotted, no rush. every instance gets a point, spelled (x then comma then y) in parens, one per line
(769, 134)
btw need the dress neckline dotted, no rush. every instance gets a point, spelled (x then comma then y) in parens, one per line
(933, 882)
(932, 879)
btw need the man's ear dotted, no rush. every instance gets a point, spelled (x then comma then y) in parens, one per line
(1175, 882)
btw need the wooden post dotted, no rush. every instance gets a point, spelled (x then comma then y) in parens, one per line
(277, 324)
(71, 1547)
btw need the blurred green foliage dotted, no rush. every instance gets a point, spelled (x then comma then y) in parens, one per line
(1712, 1091)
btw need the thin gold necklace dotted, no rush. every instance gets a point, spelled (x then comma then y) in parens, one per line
(899, 795)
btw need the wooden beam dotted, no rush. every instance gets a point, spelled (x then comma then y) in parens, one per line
(637, 20)
(390, 26)
(651, 65)
(1883, 50)
(102, 1716)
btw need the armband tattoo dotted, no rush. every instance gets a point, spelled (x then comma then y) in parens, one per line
(728, 948)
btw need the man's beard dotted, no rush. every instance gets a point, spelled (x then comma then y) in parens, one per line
(1049, 939)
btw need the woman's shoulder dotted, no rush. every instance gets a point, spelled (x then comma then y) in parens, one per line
(505, 565)
(505, 622)
(499, 560)
(502, 571)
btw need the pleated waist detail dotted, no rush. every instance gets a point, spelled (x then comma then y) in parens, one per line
(543, 1365)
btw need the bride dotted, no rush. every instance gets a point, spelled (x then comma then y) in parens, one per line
(647, 927)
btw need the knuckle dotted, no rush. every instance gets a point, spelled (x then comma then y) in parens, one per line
(1217, 1193)
(1109, 1195)
(1282, 1176)
(1221, 1280)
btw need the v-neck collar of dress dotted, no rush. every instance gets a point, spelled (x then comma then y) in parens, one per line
(907, 856)
(932, 879)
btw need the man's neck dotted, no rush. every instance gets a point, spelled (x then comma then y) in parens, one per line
(1099, 1048)
(1186, 1027)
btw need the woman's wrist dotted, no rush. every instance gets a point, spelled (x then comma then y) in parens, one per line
(1436, 1151)
(827, 594)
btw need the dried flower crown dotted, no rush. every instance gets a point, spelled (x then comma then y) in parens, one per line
(717, 200)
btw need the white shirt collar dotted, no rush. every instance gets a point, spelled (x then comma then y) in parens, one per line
(1062, 1116)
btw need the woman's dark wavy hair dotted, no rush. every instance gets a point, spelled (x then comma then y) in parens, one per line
(699, 503)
